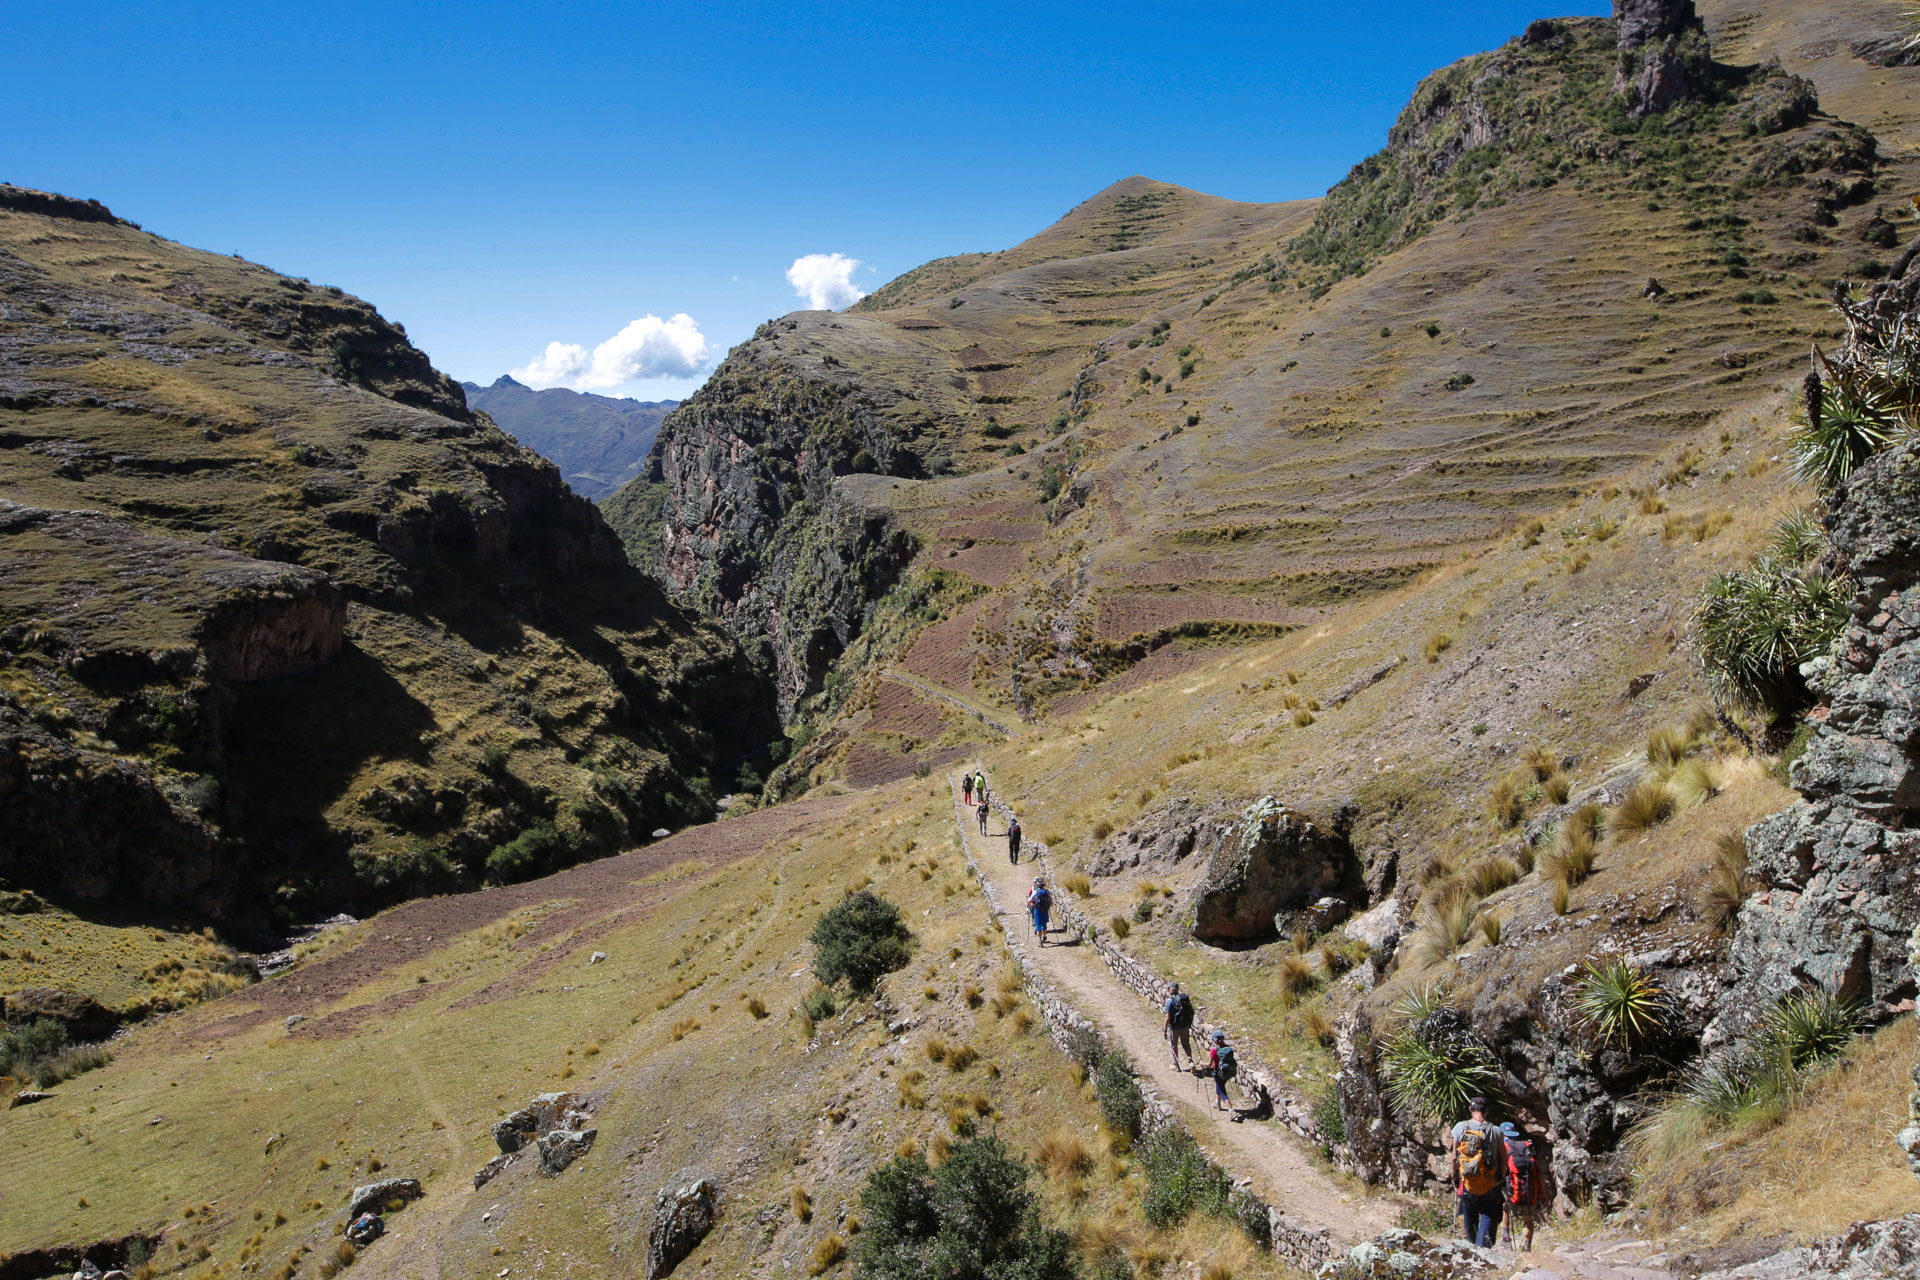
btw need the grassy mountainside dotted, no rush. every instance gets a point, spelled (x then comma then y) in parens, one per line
(292, 628)
(598, 442)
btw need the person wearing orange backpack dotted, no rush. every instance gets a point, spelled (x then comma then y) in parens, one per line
(1522, 1185)
(1479, 1168)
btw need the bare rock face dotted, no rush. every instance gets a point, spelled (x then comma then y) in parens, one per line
(1865, 1251)
(375, 1197)
(683, 1214)
(561, 1147)
(1279, 859)
(1663, 53)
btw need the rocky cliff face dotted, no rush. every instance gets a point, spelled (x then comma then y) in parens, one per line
(1664, 58)
(762, 526)
(285, 622)
(1841, 868)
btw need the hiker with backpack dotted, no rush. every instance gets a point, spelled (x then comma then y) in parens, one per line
(980, 785)
(966, 790)
(1179, 1025)
(1479, 1174)
(1522, 1185)
(981, 812)
(1013, 841)
(1040, 906)
(1223, 1065)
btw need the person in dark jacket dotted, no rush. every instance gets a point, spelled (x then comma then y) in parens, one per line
(1013, 841)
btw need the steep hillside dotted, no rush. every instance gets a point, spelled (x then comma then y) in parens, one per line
(599, 442)
(285, 627)
(1174, 412)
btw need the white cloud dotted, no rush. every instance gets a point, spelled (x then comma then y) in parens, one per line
(825, 280)
(648, 348)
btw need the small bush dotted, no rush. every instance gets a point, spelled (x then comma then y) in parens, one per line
(1437, 644)
(861, 938)
(1119, 1094)
(971, 1216)
(756, 1008)
(1180, 1180)
(1295, 974)
(802, 1201)
(818, 1004)
(1445, 926)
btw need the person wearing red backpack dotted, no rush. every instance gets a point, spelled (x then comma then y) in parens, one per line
(1522, 1184)
(1479, 1164)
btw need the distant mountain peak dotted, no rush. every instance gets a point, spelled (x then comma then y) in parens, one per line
(506, 380)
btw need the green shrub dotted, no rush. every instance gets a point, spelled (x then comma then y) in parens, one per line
(1180, 1180)
(973, 1218)
(860, 938)
(1327, 1115)
(39, 1051)
(534, 852)
(1808, 1028)
(819, 1004)
(1120, 1099)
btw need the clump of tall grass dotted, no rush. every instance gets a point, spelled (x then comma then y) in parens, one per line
(1445, 926)
(1726, 887)
(1756, 1079)
(1575, 847)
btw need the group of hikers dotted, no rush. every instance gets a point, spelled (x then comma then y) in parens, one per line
(1494, 1172)
(1495, 1175)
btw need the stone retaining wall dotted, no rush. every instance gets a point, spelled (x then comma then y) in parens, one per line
(1298, 1245)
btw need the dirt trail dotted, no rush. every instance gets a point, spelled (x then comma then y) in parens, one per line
(1281, 1168)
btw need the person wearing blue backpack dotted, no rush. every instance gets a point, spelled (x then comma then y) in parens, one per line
(1040, 906)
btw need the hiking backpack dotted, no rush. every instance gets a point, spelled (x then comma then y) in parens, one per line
(1228, 1067)
(1474, 1155)
(1042, 900)
(1182, 1011)
(1523, 1177)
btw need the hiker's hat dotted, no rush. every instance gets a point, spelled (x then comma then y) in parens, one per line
(1509, 1129)
(1220, 1037)
(1036, 882)
(1175, 986)
(1476, 1104)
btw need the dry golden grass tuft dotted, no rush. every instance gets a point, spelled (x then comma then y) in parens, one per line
(827, 1254)
(1078, 884)
(685, 1027)
(802, 1201)
(1062, 1154)
(1120, 925)
(962, 1056)
(1648, 804)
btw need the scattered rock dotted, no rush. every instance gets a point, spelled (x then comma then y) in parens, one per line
(683, 1213)
(1279, 859)
(295, 1019)
(491, 1170)
(28, 1096)
(596, 957)
(661, 833)
(378, 1197)
(1866, 1251)
(1653, 290)
(561, 1147)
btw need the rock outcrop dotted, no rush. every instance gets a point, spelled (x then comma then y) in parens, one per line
(380, 1197)
(1664, 59)
(1840, 869)
(683, 1214)
(1162, 839)
(561, 1147)
(765, 525)
(1278, 860)
(1865, 1251)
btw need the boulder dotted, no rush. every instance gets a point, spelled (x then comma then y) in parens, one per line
(512, 1133)
(1278, 859)
(561, 1147)
(683, 1213)
(378, 1197)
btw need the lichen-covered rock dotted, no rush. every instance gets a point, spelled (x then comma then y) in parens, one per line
(1865, 1251)
(1840, 869)
(683, 1214)
(1278, 859)
(379, 1197)
(1160, 840)
(512, 1132)
(561, 1147)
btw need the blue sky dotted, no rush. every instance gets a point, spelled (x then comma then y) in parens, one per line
(499, 177)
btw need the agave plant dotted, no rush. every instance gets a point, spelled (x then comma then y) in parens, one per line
(1619, 1005)
(1853, 423)
(1809, 1027)
(1432, 1064)
(1755, 626)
